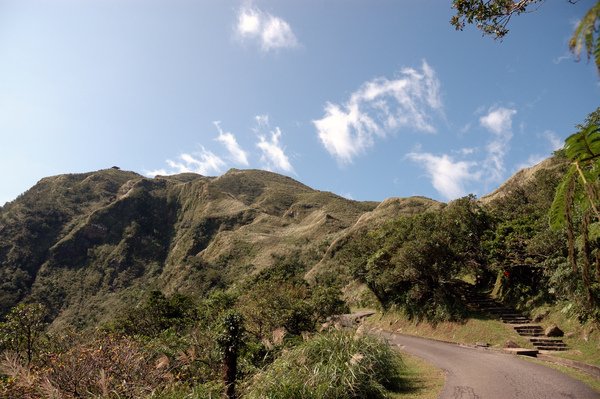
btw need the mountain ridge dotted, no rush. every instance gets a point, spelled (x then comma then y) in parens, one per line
(86, 244)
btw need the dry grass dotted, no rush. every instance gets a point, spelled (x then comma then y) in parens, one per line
(423, 380)
(493, 332)
(582, 339)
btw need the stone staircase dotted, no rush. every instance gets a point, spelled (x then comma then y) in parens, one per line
(522, 324)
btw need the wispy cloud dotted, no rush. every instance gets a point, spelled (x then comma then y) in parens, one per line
(567, 55)
(498, 121)
(378, 107)
(273, 153)
(449, 177)
(203, 162)
(467, 151)
(271, 32)
(230, 142)
(554, 143)
(533, 159)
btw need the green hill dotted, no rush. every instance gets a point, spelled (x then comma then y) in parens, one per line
(89, 244)
(85, 243)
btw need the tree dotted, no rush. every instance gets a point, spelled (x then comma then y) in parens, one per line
(230, 341)
(23, 328)
(577, 199)
(492, 18)
(416, 260)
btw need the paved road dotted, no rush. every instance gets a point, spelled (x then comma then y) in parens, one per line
(480, 374)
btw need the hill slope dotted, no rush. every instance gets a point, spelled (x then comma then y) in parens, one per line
(85, 243)
(88, 244)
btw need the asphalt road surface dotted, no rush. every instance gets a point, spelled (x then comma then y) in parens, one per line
(481, 374)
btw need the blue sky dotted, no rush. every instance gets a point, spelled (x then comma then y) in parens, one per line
(367, 99)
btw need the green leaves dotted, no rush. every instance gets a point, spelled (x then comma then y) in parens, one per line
(558, 211)
(585, 35)
(491, 17)
(576, 202)
(23, 328)
(584, 145)
(578, 189)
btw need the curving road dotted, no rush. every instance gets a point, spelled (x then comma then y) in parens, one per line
(481, 374)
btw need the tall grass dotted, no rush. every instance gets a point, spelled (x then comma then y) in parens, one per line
(331, 366)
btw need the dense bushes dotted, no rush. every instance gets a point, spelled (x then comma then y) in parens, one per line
(413, 262)
(108, 367)
(171, 346)
(330, 366)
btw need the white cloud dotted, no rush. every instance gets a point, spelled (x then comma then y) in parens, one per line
(271, 32)
(249, 22)
(467, 151)
(465, 129)
(273, 153)
(533, 159)
(555, 142)
(567, 55)
(204, 162)
(498, 121)
(447, 176)
(378, 107)
(262, 120)
(229, 141)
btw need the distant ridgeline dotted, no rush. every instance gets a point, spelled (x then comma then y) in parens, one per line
(86, 245)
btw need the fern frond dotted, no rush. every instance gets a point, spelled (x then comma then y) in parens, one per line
(597, 55)
(558, 210)
(584, 145)
(585, 35)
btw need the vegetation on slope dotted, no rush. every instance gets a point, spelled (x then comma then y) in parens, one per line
(197, 285)
(86, 244)
(329, 366)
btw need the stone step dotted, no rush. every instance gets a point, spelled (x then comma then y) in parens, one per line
(547, 343)
(538, 341)
(513, 317)
(521, 351)
(529, 330)
(498, 312)
(553, 349)
(550, 345)
(529, 326)
(510, 321)
(472, 300)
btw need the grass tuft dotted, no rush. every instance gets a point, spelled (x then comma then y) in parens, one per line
(330, 366)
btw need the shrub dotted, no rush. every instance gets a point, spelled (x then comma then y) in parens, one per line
(108, 366)
(157, 314)
(328, 366)
(327, 301)
(414, 261)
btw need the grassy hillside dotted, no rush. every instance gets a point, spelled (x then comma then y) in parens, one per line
(176, 271)
(85, 243)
